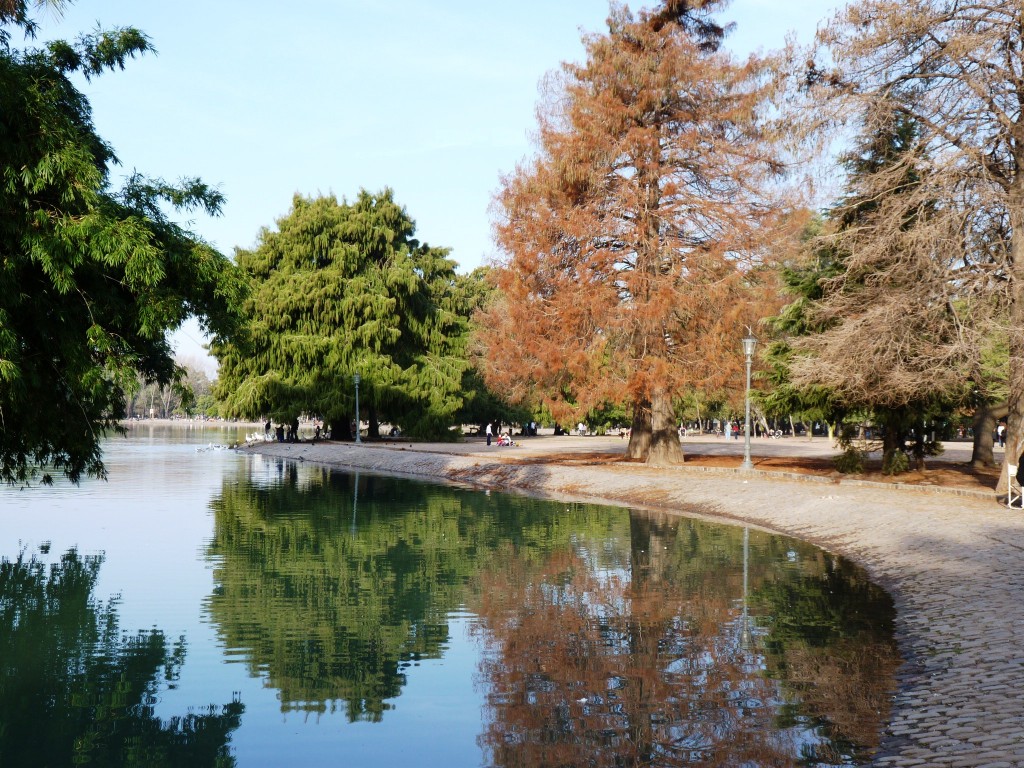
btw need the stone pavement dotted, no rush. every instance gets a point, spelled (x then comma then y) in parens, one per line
(952, 564)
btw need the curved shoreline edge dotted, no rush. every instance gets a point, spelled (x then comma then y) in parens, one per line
(952, 563)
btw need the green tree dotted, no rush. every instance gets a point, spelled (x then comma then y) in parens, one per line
(91, 278)
(342, 289)
(482, 404)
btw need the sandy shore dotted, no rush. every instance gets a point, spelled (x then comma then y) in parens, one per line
(951, 559)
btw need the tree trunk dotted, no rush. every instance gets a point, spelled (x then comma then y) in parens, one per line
(1015, 398)
(984, 424)
(919, 442)
(340, 427)
(892, 441)
(373, 431)
(666, 450)
(640, 432)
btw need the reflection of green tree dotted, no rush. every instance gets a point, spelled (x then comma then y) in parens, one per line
(830, 642)
(75, 690)
(333, 584)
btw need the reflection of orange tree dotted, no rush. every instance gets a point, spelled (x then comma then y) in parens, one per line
(646, 662)
(584, 668)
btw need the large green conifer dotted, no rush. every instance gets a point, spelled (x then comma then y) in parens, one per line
(340, 289)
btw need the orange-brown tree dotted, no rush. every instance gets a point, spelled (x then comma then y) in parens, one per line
(631, 240)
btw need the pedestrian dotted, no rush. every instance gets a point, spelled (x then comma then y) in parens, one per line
(490, 432)
(1001, 434)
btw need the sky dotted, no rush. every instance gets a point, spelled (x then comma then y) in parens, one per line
(435, 100)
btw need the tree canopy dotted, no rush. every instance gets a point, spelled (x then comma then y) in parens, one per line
(631, 242)
(91, 277)
(944, 238)
(341, 289)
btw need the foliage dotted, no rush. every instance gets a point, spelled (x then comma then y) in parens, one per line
(895, 463)
(192, 393)
(606, 417)
(341, 289)
(91, 278)
(633, 262)
(850, 461)
(947, 249)
(480, 403)
(803, 279)
(856, 346)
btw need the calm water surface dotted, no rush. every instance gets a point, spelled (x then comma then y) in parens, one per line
(204, 608)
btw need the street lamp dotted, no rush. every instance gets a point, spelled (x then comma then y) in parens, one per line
(355, 380)
(749, 344)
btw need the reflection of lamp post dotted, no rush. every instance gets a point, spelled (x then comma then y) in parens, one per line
(749, 344)
(355, 501)
(355, 380)
(745, 627)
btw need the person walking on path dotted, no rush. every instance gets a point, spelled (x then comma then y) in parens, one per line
(490, 433)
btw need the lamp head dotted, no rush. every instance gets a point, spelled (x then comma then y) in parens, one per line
(749, 344)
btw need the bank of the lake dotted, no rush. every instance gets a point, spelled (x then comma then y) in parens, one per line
(951, 561)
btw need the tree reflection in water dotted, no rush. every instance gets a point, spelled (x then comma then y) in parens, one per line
(332, 586)
(75, 689)
(607, 637)
(650, 665)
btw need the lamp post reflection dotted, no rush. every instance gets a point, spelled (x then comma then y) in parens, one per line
(745, 634)
(355, 380)
(355, 499)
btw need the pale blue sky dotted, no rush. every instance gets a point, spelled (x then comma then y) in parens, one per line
(433, 99)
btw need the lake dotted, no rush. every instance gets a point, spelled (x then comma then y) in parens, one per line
(209, 608)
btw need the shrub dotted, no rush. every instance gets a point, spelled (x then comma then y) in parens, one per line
(850, 461)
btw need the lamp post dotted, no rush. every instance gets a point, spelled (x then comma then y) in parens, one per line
(355, 380)
(749, 344)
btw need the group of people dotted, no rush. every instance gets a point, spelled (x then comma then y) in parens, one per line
(504, 438)
(288, 433)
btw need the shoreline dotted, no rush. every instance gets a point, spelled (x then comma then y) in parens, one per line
(951, 562)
